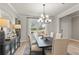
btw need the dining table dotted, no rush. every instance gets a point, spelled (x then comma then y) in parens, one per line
(43, 43)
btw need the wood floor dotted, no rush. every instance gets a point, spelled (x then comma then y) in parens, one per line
(21, 49)
(24, 49)
(73, 47)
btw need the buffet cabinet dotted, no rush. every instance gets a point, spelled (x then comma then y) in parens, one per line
(12, 45)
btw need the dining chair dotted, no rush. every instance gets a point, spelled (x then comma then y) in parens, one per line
(48, 50)
(52, 34)
(57, 36)
(60, 46)
(33, 47)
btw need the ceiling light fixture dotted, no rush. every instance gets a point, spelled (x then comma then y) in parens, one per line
(44, 18)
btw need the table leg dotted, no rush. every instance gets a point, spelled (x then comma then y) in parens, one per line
(43, 52)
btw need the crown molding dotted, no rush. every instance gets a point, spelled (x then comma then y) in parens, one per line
(75, 16)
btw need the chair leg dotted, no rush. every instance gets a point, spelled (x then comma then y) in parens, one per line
(30, 49)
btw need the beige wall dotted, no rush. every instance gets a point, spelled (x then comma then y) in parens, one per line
(52, 27)
(70, 27)
(75, 27)
(66, 26)
(7, 12)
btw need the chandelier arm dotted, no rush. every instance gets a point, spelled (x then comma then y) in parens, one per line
(44, 10)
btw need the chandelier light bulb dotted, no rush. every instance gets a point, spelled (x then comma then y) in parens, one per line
(42, 15)
(47, 16)
(43, 25)
(40, 20)
(46, 21)
(50, 20)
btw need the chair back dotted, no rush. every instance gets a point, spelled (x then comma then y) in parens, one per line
(58, 36)
(29, 41)
(60, 46)
(52, 34)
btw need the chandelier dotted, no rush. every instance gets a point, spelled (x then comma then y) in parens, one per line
(44, 17)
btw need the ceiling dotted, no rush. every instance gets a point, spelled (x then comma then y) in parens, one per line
(35, 9)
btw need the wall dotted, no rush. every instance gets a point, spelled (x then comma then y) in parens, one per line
(66, 26)
(72, 24)
(7, 12)
(75, 27)
(52, 27)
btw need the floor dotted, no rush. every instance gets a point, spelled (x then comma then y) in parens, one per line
(21, 49)
(73, 47)
(24, 49)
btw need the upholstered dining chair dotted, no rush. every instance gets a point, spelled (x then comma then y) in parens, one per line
(33, 47)
(52, 34)
(58, 36)
(48, 50)
(60, 46)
